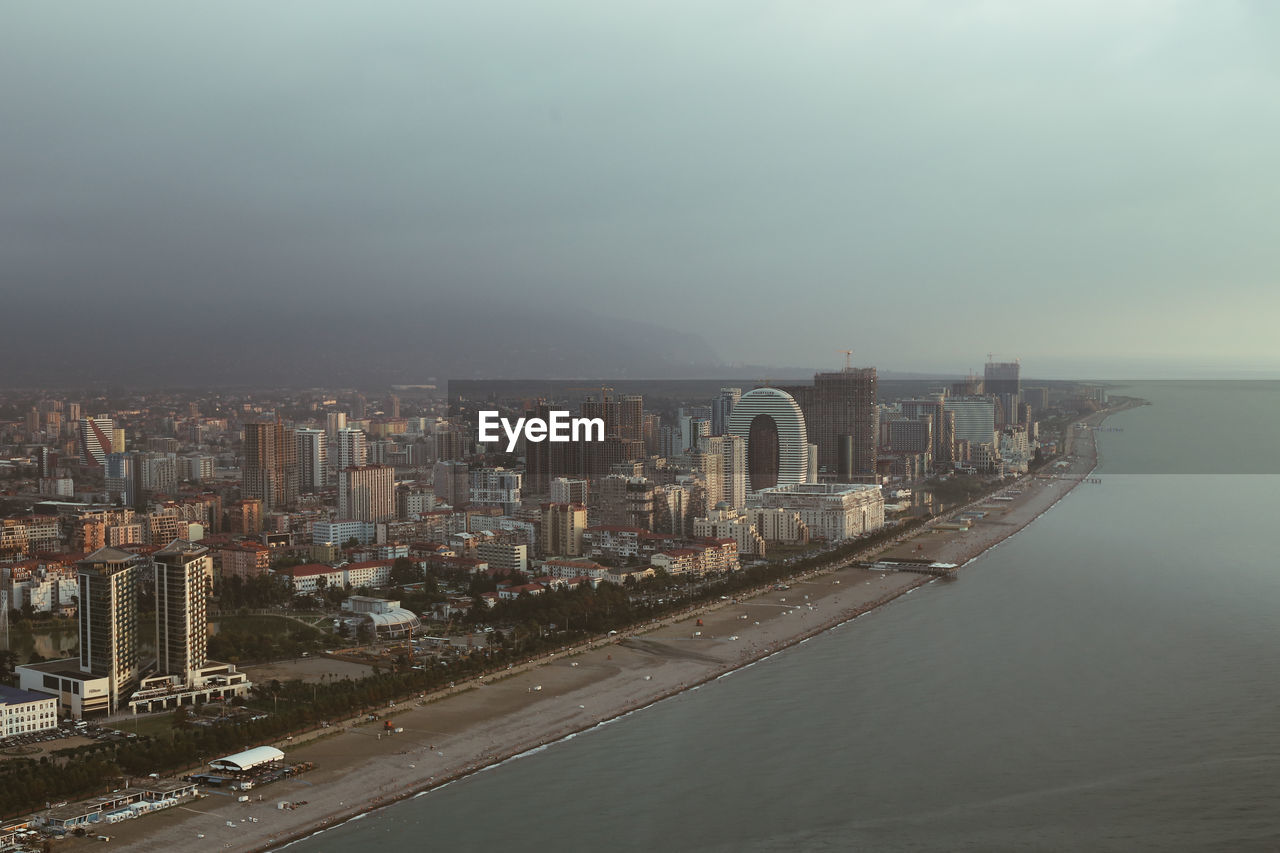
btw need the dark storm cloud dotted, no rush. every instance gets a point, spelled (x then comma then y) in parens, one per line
(1075, 184)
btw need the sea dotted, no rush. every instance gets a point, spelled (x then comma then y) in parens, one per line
(1106, 679)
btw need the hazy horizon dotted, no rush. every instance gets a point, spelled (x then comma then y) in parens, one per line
(660, 186)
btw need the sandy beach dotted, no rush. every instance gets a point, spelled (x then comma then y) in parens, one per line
(486, 721)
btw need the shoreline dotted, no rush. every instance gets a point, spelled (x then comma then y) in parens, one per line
(486, 733)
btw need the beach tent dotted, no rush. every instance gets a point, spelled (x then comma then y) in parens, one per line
(248, 760)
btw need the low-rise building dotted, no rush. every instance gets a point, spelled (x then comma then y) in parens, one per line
(504, 555)
(614, 541)
(24, 712)
(77, 693)
(831, 511)
(726, 523)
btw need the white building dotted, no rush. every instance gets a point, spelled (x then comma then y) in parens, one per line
(728, 523)
(75, 693)
(352, 449)
(567, 491)
(496, 487)
(772, 424)
(341, 532)
(1015, 449)
(504, 555)
(24, 712)
(831, 511)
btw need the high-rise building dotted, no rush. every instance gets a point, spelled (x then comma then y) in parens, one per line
(777, 443)
(722, 408)
(1038, 397)
(394, 405)
(733, 449)
(911, 435)
(451, 482)
(975, 419)
(313, 459)
(117, 440)
(568, 491)
(709, 465)
(496, 487)
(270, 468)
(563, 526)
(335, 421)
(353, 449)
(108, 612)
(367, 493)
(1002, 380)
(183, 583)
(933, 410)
(95, 440)
(158, 472)
(842, 419)
(120, 480)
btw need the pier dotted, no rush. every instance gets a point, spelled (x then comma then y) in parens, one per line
(919, 567)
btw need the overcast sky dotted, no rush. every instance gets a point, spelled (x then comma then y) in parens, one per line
(1088, 186)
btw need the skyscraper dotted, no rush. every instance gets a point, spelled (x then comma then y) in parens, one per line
(842, 420)
(353, 450)
(562, 529)
(367, 493)
(451, 482)
(313, 456)
(1002, 380)
(732, 450)
(773, 427)
(721, 409)
(108, 612)
(270, 469)
(95, 440)
(120, 479)
(335, 421)
(183, 583)
(975, 419)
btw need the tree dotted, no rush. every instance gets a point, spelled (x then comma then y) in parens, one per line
(181, 717)
(404, 571)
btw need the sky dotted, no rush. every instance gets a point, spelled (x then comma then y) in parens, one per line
(1089, 187)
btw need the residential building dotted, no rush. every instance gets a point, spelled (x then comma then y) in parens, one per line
(313, 459)
(563, 526)
(496, 487)
(367, 493)
(452, 482)
(269, 472)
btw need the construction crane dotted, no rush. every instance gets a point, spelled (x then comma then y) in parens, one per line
(848, 358)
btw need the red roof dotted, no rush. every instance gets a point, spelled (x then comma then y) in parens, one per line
(309, 570)
(370, 564)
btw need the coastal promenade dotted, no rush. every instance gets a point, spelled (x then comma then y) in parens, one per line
(492, 719)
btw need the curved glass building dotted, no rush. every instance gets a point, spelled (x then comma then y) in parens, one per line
(777, 442)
